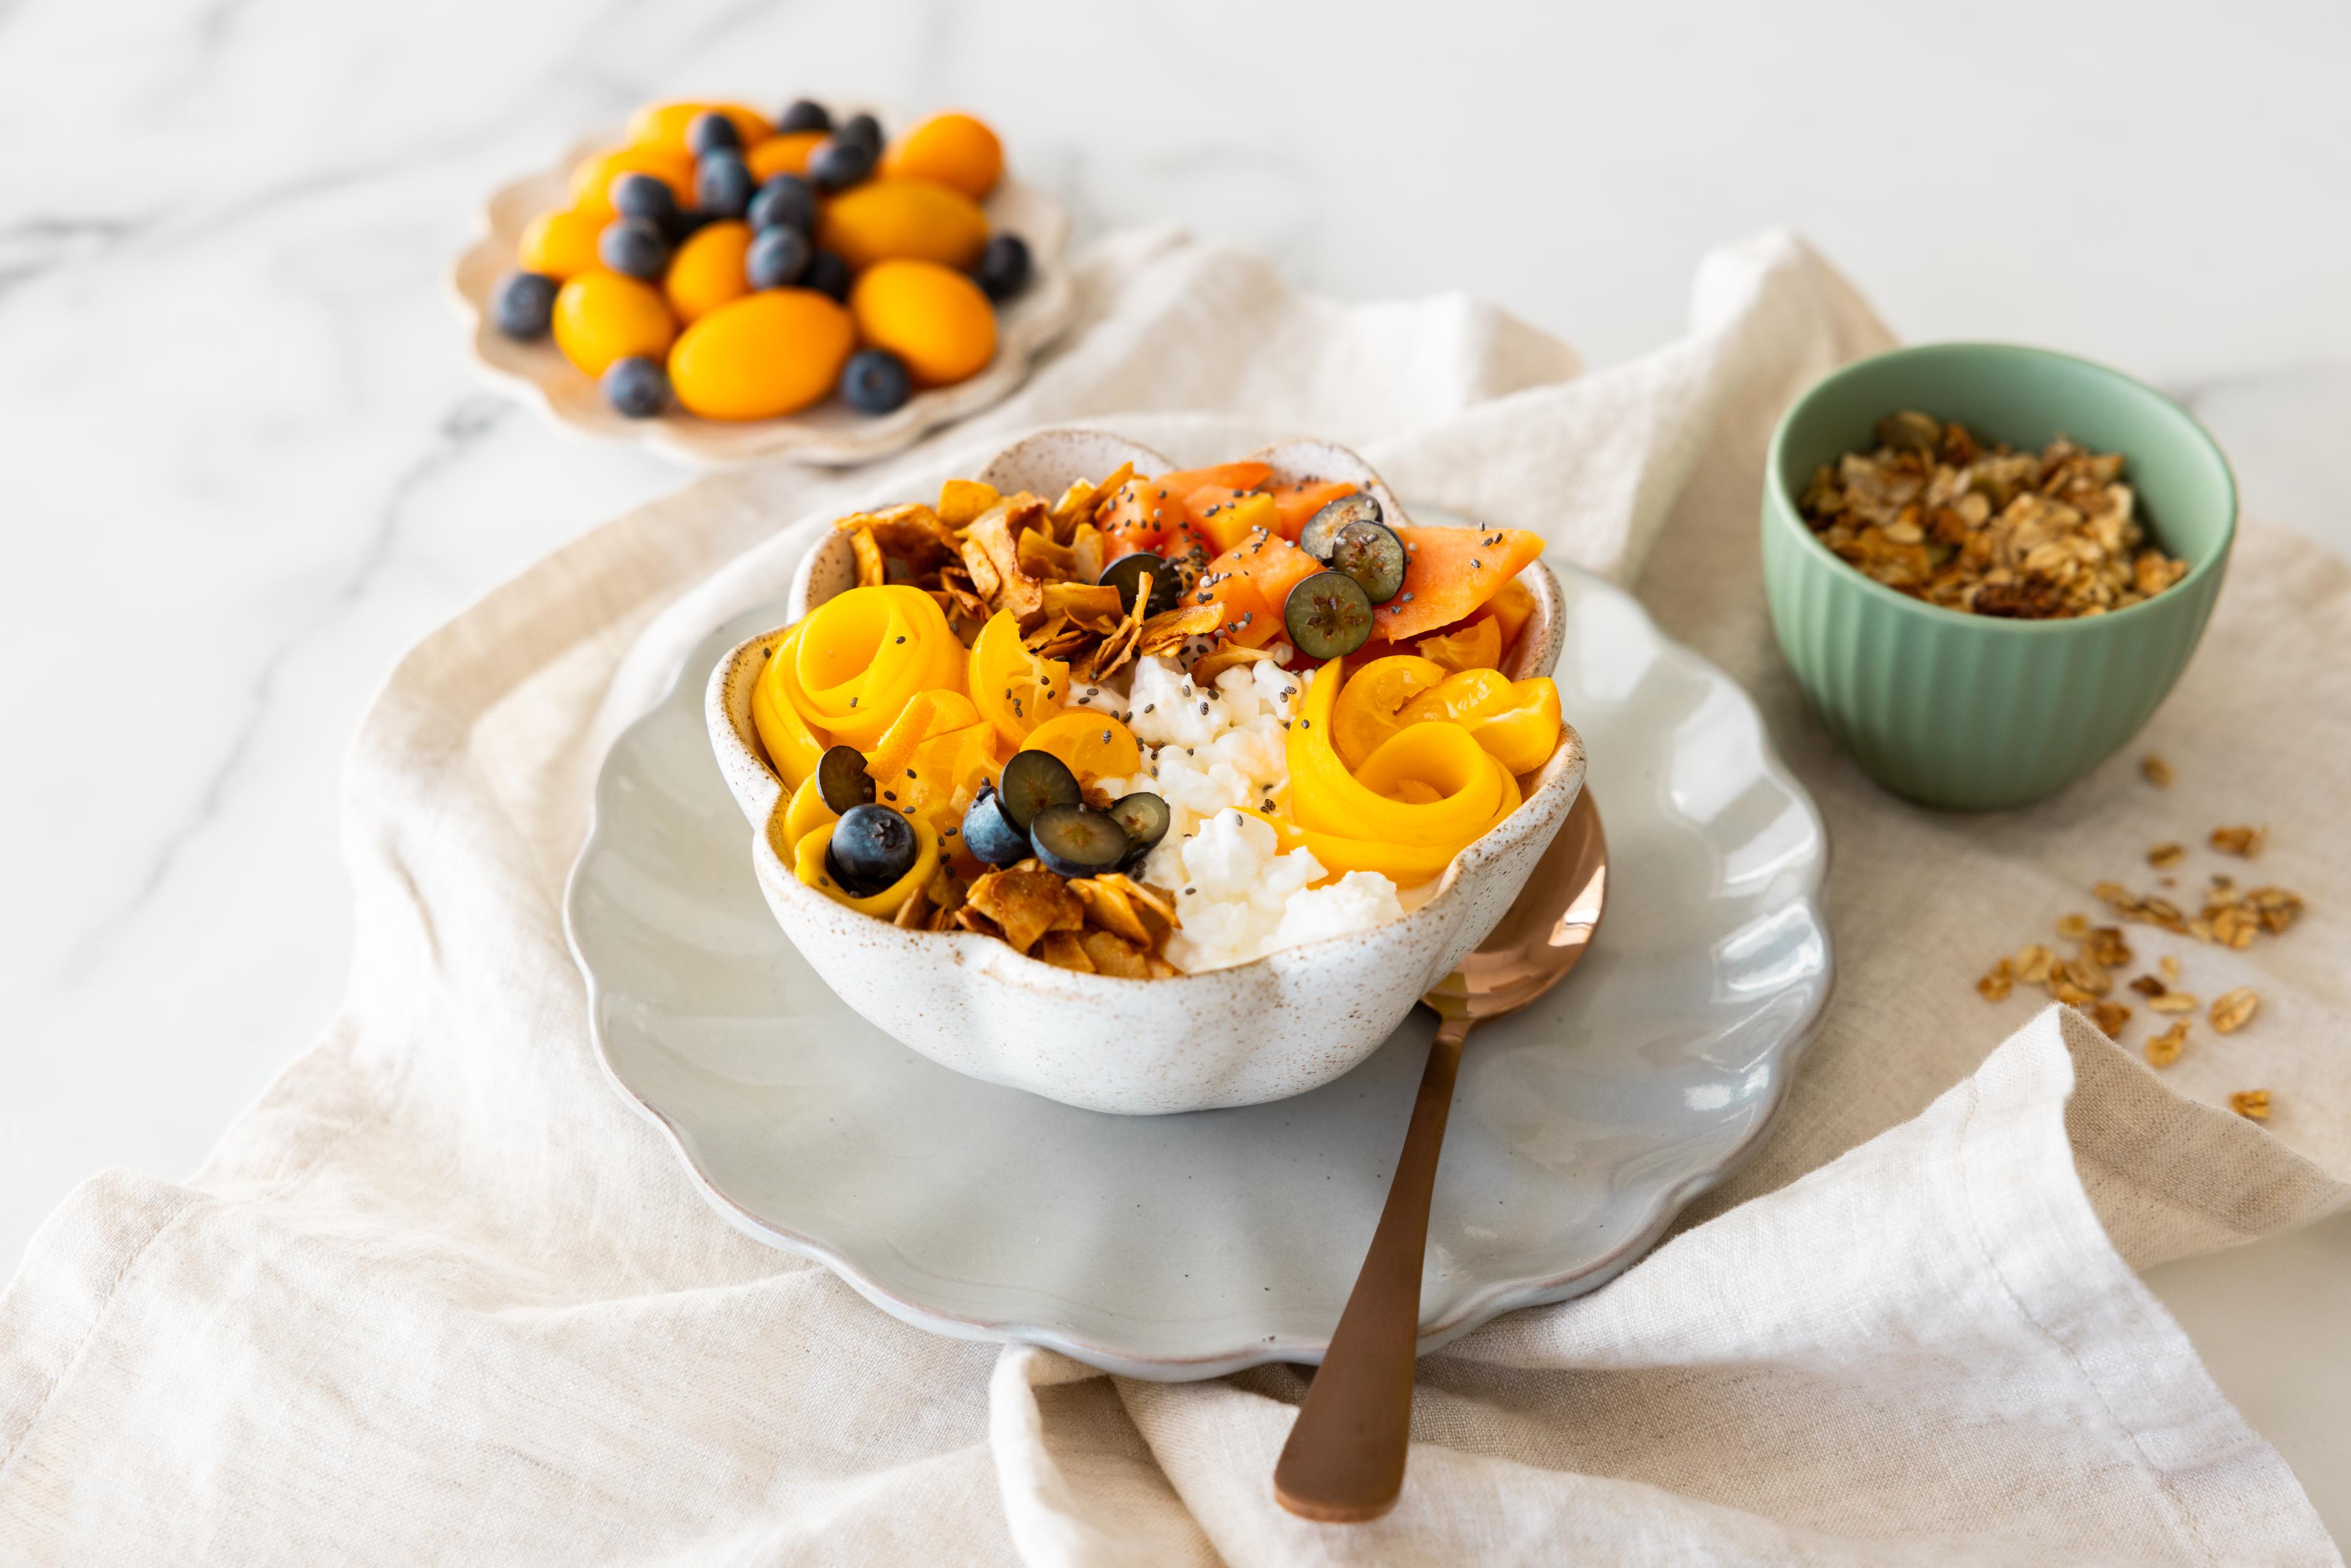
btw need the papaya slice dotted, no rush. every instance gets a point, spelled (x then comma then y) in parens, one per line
(1227, 516)
(1231, 476)
(1137, 516)
(1270, 565)
(1295, 504)
(1450, 573)
(1249, 619)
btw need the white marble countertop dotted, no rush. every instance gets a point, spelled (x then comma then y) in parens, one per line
(247, 464)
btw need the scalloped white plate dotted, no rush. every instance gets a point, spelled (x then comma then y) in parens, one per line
(1188, 1246)
(831, 432)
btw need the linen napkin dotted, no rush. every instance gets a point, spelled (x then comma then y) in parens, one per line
(440, 1296)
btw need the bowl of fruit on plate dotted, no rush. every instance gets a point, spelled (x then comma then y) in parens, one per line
(726, 286)
(1144, 789)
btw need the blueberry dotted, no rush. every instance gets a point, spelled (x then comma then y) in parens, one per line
(637, 387)
(872, 846)
(634, 247)
(1003, 269)
(786, 200)
(828, 274)
(875, 380)
(989, 833)
(1146, 817)
(710, 130)
(806, 114)
(1126, 574)
(644, 196)
(1079, 841)
(524, 304)
(862, 128)
(1033, 780)
(777, 258)
(839, 163)
(722, 184)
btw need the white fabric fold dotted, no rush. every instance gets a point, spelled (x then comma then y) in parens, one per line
(441, 1297)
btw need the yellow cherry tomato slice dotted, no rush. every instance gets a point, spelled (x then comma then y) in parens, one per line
(1014, 689)
(1461, 697)
(1094, 744)
(1522, 734)
(1475, 646)
(1370, 708)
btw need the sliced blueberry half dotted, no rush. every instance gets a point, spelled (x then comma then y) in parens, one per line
(1327, 616)
(1323, 528)
(1373, 555)
(1077, 840)
(1126, 574)
(842, 779)
(1032, 781)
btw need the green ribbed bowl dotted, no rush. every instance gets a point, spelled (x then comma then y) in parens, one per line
(1974, 712)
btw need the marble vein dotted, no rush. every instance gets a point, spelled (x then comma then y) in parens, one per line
(458, 432)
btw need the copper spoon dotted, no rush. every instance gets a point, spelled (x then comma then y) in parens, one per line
(1344, 1460)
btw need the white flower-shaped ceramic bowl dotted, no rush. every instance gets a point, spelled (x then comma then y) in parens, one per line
(1278, 1026)
(830, 432)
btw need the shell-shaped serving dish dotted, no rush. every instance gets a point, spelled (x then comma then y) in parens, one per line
(830, 433)
(1277, 1026)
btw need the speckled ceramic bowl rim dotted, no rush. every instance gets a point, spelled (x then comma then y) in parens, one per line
(1787, 511)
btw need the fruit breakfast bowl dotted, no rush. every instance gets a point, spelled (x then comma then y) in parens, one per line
(550, 230)
(1273, 1026)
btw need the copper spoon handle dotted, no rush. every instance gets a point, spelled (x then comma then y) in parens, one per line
(1344, 1460)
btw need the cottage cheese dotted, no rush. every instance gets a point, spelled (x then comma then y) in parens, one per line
(1208, 750)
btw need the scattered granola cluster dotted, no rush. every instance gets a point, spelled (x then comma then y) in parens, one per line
(1992, 532)
(2228, 918)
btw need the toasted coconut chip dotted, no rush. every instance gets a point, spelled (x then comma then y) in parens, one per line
(912, 915)
(945, 889)
(1113, 955)
(1086, 553)
(872, 571)
(1146, 898)
(1082, 500)
(963, 500)
(1055, 623)
(971, 919)
(1231, 656)
(1043, 559)
(1168, 632)
(1160, 968)
(1064, 951)
(992, 555)
(1113, 650)
(1108, 908)
(912, 533)
(1093, 606)
(1027, 901)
